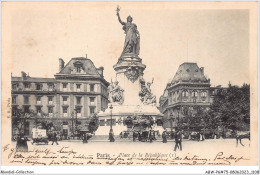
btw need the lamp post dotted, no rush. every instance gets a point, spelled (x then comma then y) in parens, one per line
(111, 135)
(76, 122)
(72, 119)
(178, 110)
(111, 108)
(171, 115)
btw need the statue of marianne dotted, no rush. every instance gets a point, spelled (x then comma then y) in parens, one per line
(132, 38)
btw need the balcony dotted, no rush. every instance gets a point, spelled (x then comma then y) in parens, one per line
(65, 114)
(38, 102)
(65, 102)
(50, 114)
(50, 102)
(78, 114)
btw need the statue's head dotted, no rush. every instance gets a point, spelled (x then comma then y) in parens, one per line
(129, 19)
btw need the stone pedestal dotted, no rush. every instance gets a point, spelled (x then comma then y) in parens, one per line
(129, 72)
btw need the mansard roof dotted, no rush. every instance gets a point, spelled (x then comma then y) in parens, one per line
(88, 67)
(189, 72)
(34, 79)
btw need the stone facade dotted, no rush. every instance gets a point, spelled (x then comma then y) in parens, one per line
(77, 92)
(186, 94)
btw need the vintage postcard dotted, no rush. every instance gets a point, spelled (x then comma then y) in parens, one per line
(129, 83)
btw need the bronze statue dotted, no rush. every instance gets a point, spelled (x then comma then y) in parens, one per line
(146, 94)
(116, 93)
(132, 38)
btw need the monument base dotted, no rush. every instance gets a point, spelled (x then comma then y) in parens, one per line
(120, 112)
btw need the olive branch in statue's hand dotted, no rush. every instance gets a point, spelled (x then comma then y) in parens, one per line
(117, 10)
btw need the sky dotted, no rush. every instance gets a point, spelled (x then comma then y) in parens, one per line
(37, 34)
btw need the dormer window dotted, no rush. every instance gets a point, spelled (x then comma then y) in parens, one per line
(78, 66)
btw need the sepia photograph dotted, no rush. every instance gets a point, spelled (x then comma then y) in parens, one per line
(173, 84)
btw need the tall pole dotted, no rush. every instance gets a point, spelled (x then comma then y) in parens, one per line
(171, 121)
(76, 123)
(72, 123)
(111, 107)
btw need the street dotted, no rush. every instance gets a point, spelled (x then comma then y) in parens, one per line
(207, 147)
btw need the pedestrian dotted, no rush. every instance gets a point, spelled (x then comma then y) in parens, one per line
(111, 136)
(164, 137)
(54, 138)
(154, 138)
(151, 136)
(85, 138)
(178, 140)
(134, 136)
(21, 143)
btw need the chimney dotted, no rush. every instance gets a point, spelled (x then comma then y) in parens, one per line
(202, 70)
(23, 75)
(100, 70)
(61, 64)
(86, 55)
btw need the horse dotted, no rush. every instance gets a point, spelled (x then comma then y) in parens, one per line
(242, 135)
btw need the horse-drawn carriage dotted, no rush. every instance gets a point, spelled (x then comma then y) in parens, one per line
(124, 135)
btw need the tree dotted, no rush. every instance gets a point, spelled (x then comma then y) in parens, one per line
(93, 124)
(231, 108)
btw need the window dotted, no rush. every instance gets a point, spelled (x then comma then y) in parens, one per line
(27, 85)
(78, 110)
(64, 85)
(78, 86)
(26, 109)
(102, 122)
(26, 99)
(65, 100)
(92, 86)
(78, 100)
(38, 87)
(50, 86)
(203, 95)
(65, 110)
(38, 99)
(50, 100)
(38, 109)
(50, 110)
(185, 93)
(14, 100)
(92, 100)
(14, 86)
(92, 110)
(78, 69)
(194, 94)
(14, 110)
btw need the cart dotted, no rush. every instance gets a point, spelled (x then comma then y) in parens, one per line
(39, 135)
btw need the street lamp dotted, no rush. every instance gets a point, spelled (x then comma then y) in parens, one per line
(76, 121)
(171, 115)
(111, 108)
(111, 135)
(178, 110)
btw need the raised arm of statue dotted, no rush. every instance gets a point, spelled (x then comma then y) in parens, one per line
(119, 19)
